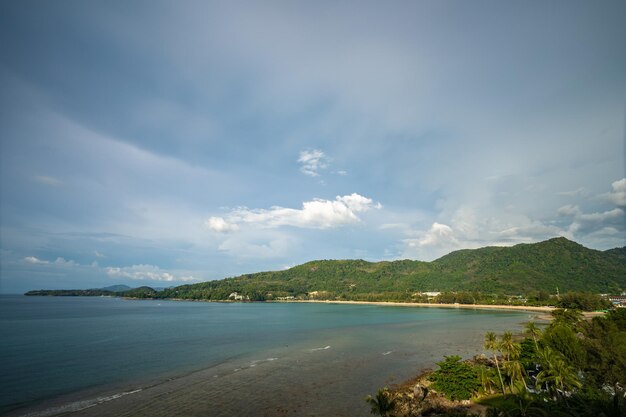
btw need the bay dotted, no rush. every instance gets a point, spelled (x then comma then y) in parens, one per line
(111, 356)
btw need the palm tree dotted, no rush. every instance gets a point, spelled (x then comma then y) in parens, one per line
(535, 333)
(491, 343)
(382, 404)
(515, 372)
(556, 373)
(508, 346)
(487, 380)
(512, 365)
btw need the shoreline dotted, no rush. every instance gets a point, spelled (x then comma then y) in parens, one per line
(546, 310)
(200, 389)
(209, 388)
(541, 309)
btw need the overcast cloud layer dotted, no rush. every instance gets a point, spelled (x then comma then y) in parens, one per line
(160, 143)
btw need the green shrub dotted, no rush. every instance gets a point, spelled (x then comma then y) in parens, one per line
(455, 379)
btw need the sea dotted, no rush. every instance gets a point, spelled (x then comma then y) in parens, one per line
(112, 356)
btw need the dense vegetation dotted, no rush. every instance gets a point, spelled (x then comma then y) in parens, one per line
(528, 269)
(572, 367)
(480, 276)
(123, 291)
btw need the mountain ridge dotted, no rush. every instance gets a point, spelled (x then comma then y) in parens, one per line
(551, 266)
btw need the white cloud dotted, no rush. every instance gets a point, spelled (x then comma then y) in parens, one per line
(609, 215)
(98, 254)
(599, 228)
(477, 225)
(315, 214)
(313, 161)
(617, 195)
(34, 260)
(219, 225)
(59, 261)
(470, 227)
(438, 240)
(49, 181)
(65, 262)
(437, 235)
(146, 272)
(574, 193)
(586, 223)
(357, 202)
(569, 210)
(530, 232)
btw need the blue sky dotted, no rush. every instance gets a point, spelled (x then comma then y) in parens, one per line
(160, 143)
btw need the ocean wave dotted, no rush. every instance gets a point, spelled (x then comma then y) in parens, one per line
(79, 405)
(322, 348)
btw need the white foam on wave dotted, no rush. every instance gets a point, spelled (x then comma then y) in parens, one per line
(259, 361)
(79, 405)
(255, 363)
(387, 353)
(322, 348)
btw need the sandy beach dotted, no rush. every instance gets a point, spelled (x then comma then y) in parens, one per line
(435, 305)
(541, 309)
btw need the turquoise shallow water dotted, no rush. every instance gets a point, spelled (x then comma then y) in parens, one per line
(55, 346)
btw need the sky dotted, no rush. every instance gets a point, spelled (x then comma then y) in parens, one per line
(161, 143)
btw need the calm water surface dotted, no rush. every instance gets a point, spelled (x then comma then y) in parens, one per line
(259, 358)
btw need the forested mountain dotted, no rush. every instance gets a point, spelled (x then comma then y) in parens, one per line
(520, 269)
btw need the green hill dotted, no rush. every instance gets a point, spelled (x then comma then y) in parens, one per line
(116, 288)
(520, 269)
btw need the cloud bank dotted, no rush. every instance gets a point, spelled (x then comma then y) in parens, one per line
(314, 214)
(463, 148)
(146, 272)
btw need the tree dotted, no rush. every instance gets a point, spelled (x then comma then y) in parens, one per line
(488, 379)
(567, 316)
(455, 379)
(585, 301)
(491, 343)
(512, 364)
(508, 346)
(605, 346)
(382, 404)
(557, 375)
(515, 371)
(533, 331)
(563, 339)
(528, 355)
